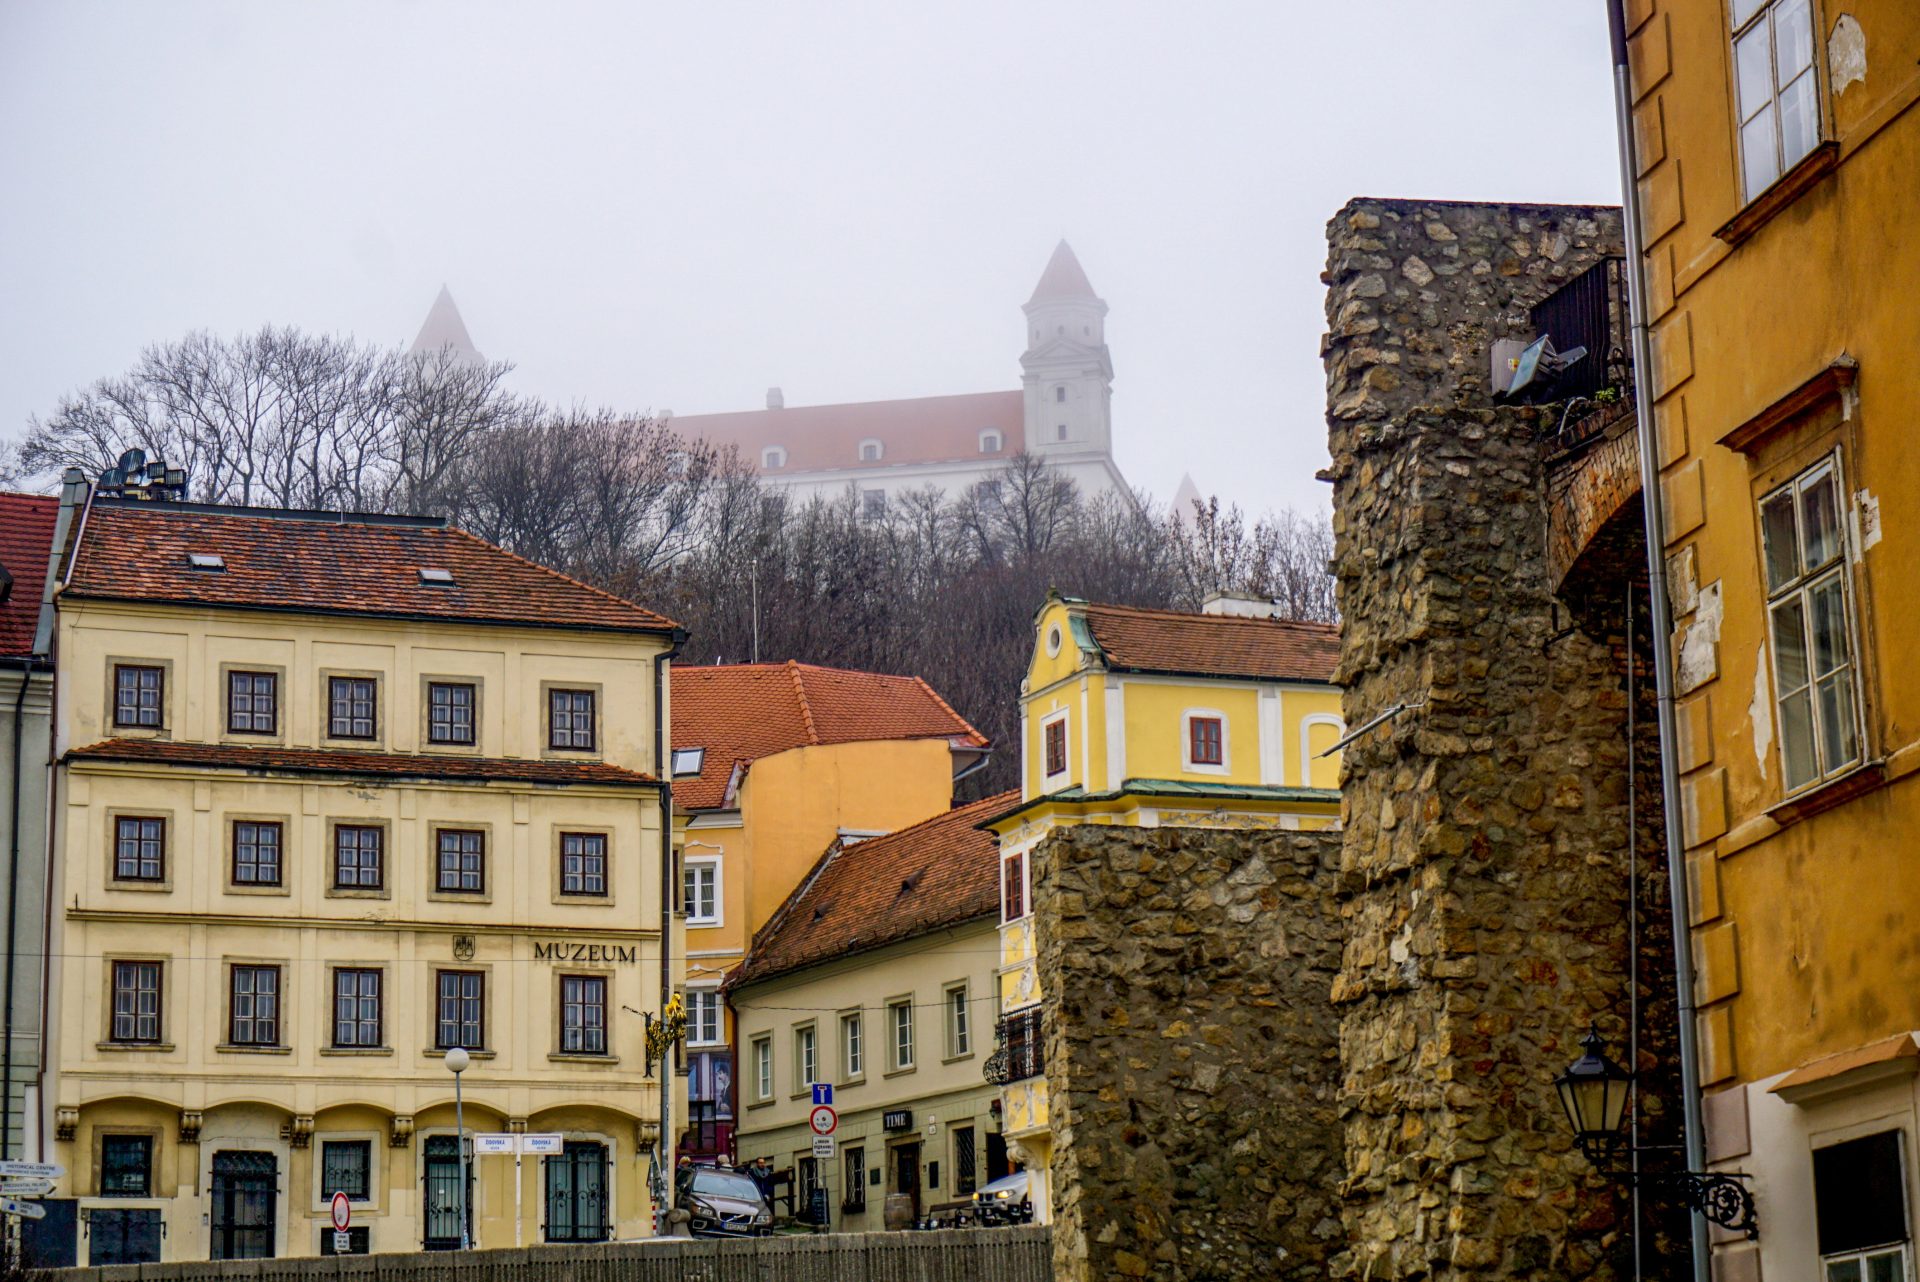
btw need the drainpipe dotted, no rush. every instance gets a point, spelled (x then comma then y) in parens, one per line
(26, 670)
(663, 764)
(1656, 526)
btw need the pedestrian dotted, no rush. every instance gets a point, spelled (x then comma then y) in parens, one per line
(761, 1173)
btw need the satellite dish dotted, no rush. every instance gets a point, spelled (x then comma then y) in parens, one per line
(132, 461)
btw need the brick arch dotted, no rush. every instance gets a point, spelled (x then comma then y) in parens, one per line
(1584, 494)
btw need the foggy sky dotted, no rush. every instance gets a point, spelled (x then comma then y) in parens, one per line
(675, 206)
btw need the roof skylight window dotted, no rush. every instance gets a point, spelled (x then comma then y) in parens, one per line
(206, 561)
(435, 577)
(688, 761)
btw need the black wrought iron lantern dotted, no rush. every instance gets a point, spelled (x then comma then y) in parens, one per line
(1596, 1093)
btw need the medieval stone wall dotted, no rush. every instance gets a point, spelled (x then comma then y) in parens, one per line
(1192, 1056)
(1487, 827)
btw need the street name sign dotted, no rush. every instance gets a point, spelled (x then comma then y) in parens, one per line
(547, 1145)
(31, 1170)
(495, 1142)
(30, 1210)
(25, 1188)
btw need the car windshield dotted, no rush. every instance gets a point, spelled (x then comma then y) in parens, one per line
(726, 1184)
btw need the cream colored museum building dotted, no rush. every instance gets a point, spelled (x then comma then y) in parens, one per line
(333, 795)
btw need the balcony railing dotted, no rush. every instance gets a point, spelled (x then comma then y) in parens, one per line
(1020, 1050)
(1589, 311)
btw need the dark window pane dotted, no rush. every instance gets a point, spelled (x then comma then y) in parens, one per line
(136, 1002)
(356, 1008)
(252, 702)
(256, 854)
(1859, 1191)
(352, 704)
(126, 1165)
(450, 713)
(462, 999)
(462, 862)
(346, 1166)
(583, 863)
(254, 1006)
(136, 696)
(140, 848)
(1780, 535)
(583, 1014)
(357, 857)
(570, 719)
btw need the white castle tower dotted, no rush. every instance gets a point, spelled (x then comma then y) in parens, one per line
(1067, 370)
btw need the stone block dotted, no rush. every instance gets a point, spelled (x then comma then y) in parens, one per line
(1649, 57)
(1716, 1045)
(1685, 499)
(1717, 963)
(1703, 807)
(1672, 352)
(1670, 428)
(1649, 134)
(1725, 1115)
(1703, 887)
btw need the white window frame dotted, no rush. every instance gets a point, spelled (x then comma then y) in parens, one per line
(763, 1066)
(1307, 726)
(900, 1056)
(705, 998)
(1903, 1249)
(1800, 588)
(690, 864)
(871, 450)
(806, 1057)
(959, 1020)
(1187, 763)
(853, 1046)
(1757, 25)
(1066, 756)
(773, 457)
(992, 441)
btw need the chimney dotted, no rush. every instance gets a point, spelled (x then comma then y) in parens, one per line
(775, 401)
(1239, 606)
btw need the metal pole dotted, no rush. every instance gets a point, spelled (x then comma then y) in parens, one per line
(466, 1176)
(517, 1142)
(1662, 652)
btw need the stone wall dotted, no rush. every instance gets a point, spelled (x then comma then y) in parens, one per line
(1192, 1057)
(953, 1255)
(1487, 827)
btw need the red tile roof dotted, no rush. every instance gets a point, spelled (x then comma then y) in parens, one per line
(1168, 641)
(337, 565)
(741, 712)
(937, 873)
(393, 765)
(929, 429)
(26, 536)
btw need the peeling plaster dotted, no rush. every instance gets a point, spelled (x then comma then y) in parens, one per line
(1683, 589)
(1697, 661)
(1760, 711)
(1846, 53)
(1866, 519)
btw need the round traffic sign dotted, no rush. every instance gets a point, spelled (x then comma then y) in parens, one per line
(823, 1119)
(342, 1211)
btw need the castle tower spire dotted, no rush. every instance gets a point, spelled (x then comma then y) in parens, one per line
(444, 328)
(1067, 370)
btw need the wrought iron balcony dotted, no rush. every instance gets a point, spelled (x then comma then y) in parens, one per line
(1588, 312)
(1019, 1050)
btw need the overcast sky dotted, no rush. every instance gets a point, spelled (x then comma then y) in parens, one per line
(675, 206)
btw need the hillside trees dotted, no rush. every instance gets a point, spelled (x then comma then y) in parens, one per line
(940, 585)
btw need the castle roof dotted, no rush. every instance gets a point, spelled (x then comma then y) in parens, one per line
(1063, 278)
(444, 328)
(818, 438)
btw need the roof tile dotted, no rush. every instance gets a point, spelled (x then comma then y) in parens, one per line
(26, 536)
(926, 429)
(341, 565)
(1214, 645)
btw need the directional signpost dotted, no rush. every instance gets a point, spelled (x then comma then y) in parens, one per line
(29, 1210)
(823, 1121)
(31, 1171)
(26, 1179)
(25, 1188)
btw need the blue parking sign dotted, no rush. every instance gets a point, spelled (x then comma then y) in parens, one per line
(822, 1093)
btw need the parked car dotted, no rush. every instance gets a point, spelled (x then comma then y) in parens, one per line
(1005, 1201)
(723, 1202)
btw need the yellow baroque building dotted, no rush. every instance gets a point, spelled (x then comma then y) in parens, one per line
(334, 795)
(1223, 719)
(1777, 149)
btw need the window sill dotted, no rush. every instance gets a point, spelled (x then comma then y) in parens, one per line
(760, 1103)
(848, 1083)
(571, 1057)
(962, 1057)
(702, 923)
(900, 1072)
(341, 892)
(133, 1046)
(236, 888)
(459, 897)
(440, 1052)
(1786, 189)
(353, 1051)
(140, 887)
(1862, 779)
(233, 1048)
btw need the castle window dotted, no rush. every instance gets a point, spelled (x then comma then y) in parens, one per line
(1773, 42)
(1060, 433)
(991, 441)
(1060, 395)
(1053, 737)
(1205, 740)
(1860, 1214)
(870, 451)
(773, 457)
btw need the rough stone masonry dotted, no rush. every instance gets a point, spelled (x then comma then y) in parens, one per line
(1485, 828)
(1192, 1055)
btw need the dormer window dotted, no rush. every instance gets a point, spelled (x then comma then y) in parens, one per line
(870, 451)
(991, 441)
(212, 561)
(773, 457)
(688, 761)
(434, 577)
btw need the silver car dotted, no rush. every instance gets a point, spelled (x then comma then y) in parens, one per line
(723, 1203)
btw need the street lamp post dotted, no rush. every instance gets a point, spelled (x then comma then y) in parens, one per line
(457, 1061)
(1596, 1093)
